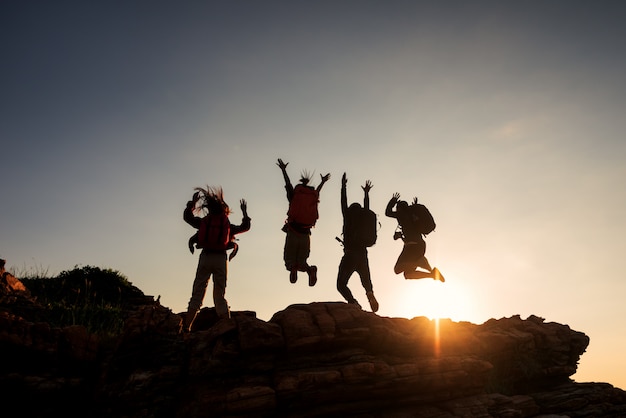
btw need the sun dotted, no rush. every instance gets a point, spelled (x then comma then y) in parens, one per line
(435, 300)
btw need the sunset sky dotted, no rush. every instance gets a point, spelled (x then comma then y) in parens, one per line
(506, 119)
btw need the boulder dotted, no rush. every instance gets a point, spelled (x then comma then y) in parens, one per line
(309, 360)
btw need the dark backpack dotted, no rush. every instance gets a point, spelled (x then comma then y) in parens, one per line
(360, 227)
(303, 206)
(214, 232)
(425, 222)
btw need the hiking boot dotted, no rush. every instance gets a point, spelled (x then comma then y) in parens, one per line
(373, 301)
(354, 302)
(224, 315)
(312, 271)
(437, 275)
(293, 276)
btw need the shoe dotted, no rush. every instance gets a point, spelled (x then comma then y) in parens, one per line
(312, 271)
(293, 276)
(373, 301)
(437, 275)
(224, 315)
(355, 303)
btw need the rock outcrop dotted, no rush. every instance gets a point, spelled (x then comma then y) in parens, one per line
(309, 360)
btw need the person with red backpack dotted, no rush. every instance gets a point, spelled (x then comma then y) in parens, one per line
(414, 221)
(232, 245)
(301, 217)
(215, 235)
(359, 232)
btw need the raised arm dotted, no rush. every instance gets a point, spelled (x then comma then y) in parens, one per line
(288, 186)
(244, 208)
(344, 194)
(324, 180)
(188, 215)
(245, 222)
(392, 202)
(366, 193)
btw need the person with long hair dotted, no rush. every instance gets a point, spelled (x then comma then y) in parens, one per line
(215, 232)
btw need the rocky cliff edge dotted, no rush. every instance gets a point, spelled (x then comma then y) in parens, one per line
(308, 360)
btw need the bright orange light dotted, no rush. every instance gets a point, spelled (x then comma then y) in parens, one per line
(437, 347)
(433, 299)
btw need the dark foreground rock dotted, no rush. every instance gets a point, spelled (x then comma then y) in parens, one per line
(313, 360)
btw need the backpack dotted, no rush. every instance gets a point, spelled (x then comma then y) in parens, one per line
(303, 206)
(214, 232)
(426, 223)
(360, 227)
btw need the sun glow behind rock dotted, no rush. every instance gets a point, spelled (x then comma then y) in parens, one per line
(435, 300)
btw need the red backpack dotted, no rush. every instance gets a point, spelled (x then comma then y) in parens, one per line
(214, 233)
(303, 206)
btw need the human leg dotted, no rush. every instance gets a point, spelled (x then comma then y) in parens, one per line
(417, 274)
(290, 254)
(424, 264)
(372, 300)
(412, 258)
(346, 268)
(304, 250)
(434, 272)
(437, 275)
(431, 273)
(203, 273)
(363, 269)
(405, 260)
(220, 274)
(312, 272)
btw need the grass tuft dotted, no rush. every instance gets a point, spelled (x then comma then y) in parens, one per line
(90, 296)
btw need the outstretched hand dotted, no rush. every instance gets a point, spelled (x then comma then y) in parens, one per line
(244, 207)
(368, 186)
(396, 197)
(281, 164)
(344, 179)
(415, 200)
(325, 177)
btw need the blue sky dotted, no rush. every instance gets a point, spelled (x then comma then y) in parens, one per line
(505, 119)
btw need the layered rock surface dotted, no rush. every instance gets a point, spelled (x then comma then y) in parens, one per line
(309, 360)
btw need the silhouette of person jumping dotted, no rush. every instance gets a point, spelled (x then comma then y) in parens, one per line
(355, 244)
(215, 233)
(301, 217)
(411, 228)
